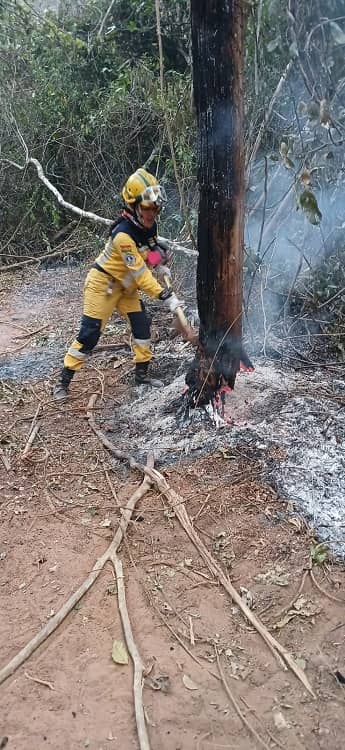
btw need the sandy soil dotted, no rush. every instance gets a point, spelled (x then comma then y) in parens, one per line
(58, 515)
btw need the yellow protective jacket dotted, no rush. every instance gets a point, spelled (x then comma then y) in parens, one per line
(124, 256)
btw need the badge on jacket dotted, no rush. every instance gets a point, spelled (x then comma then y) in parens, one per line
(130, 260)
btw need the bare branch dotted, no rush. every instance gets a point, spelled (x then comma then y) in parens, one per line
(104, 19)
(267, 117)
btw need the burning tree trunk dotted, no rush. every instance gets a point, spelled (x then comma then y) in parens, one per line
(217, 47)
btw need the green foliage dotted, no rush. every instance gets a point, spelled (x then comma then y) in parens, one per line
(83, 89)
(319, 554)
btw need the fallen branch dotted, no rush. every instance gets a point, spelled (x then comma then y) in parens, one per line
(5, 460)
(39, 259)
(58, 618)
(31, 438)
(177, 502)
(134, 653)
(59, 197)
(32, 333)
(111, 347)
(275, 647)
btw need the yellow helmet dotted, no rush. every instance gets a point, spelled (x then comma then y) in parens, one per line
(142, 188)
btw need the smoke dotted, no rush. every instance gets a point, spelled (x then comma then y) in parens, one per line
(295, 213)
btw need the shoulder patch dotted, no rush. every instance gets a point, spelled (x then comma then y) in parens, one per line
(130, 259)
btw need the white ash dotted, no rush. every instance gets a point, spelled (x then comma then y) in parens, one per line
(144, 425)
(310, 429)
(269, 408)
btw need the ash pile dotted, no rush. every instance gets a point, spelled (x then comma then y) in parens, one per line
(299, 418)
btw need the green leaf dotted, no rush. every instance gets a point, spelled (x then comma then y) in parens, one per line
(119, 653)
(309, 206)
(319, 553)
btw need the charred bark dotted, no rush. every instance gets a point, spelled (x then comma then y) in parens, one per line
(217, 48)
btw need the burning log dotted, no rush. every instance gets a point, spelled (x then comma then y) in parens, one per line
(213, 371)
(217, 48)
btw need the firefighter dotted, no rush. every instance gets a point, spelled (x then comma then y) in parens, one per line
(119, 273)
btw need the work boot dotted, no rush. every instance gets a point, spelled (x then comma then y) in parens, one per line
(60, 389)
(142, 376)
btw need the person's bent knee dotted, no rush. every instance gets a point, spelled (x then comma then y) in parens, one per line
(90, 331)
(140, 324)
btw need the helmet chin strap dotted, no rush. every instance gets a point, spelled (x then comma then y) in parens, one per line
(137, 212)
(131, 214)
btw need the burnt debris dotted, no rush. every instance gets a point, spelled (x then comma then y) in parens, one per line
(213, 371)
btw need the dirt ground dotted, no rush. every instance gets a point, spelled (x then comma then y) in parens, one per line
(60, 506)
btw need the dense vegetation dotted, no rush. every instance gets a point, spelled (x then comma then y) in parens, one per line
(84, 94)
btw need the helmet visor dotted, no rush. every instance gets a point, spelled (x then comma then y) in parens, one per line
(153, 194)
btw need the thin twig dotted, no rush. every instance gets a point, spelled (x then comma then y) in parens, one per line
(103, 21)
(271, 736)
(323, 592)
(233, 700)
(32, 333)
(5, 460)
(134, 653)
(267, 117)
(40, 682)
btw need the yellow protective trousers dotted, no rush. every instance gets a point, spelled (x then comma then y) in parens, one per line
(102, 296)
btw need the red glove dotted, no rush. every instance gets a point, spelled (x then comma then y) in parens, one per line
(157, 255)
(154, 258)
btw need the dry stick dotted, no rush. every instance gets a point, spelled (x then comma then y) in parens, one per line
(39, 681)
(34, 420)
(271, 736)
(33, 261)
(31, 333)
(16, 348)
(31, 438)
(275, 647)
(323, 592)
(5, 460)
(13, 325)
(134, 653)
(55, 621)
(111, 347)
(103, 21)
(176, 501)
(233, 700)
(267, 117)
